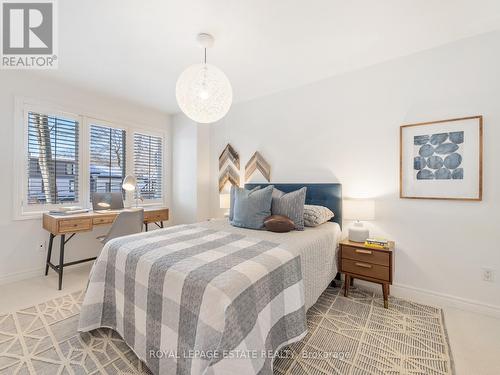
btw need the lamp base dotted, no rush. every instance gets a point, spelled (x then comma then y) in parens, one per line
(358, 233)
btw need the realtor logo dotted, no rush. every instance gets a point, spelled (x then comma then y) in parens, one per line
(28, 35)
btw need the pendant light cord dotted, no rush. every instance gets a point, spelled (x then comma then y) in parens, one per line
(205, 56)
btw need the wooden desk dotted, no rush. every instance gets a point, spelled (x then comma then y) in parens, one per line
(85, 222)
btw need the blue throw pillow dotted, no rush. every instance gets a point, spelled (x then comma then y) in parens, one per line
(251, 207)
(231, 199)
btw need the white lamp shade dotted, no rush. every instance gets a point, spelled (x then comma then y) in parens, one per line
(358, 209)
(129, 183)
(225, 201)
(204, 93)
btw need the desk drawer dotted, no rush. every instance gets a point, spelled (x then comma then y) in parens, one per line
(103, 220)
(75, 225)
(374, 271)
(366, 255)
(155, 216)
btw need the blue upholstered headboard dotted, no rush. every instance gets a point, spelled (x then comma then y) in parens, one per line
(328, 195)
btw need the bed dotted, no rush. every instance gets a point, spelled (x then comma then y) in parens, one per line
(209, 298)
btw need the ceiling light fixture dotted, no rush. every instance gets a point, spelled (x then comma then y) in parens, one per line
(203, 91)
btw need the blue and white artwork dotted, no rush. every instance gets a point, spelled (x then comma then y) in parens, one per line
(438, 156)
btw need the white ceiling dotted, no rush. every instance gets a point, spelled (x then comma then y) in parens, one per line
(136, 49)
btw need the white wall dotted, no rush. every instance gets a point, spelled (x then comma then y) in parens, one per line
(20, 256)
(190, 170)
(346, 129)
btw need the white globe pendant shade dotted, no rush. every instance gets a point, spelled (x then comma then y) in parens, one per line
(204, 93)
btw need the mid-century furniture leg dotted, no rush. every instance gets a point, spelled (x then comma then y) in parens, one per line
(146, 225)
(49, 253)
(347, 282)
(61, 260)
(385, 289)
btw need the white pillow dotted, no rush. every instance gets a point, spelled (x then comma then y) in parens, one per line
(316, 215)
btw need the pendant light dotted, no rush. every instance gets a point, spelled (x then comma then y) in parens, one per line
(203, 91)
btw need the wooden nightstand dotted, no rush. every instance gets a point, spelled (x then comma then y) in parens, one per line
(358, 261)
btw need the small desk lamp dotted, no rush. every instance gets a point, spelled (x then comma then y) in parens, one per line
(358, 209)
(130, 184)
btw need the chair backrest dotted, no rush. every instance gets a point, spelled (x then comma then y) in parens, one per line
(127, 222)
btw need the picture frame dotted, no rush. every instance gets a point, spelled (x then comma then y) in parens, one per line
(442, 159)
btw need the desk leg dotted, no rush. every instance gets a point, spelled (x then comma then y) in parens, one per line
(61, 260)
(49, 253)
(161, 224)
(146, 225)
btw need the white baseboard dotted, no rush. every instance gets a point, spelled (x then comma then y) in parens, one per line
(23, 275)
(38, 272)
(442, 300)
(445, 300)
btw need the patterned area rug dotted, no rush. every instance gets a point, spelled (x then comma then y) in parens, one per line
(354, 335)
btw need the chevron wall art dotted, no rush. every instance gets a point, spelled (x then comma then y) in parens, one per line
(257, 162)
(229, 167)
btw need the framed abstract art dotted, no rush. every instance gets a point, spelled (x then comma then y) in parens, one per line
(442, 159)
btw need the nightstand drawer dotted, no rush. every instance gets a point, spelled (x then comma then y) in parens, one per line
(374, 271)
(366, 255)
(75, 225)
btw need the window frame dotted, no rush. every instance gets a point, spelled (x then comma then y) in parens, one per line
(107, 124)
(23, 211)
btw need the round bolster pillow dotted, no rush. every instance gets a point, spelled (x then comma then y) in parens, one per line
(279, 224)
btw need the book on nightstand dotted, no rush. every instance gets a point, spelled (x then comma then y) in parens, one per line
(377, 243)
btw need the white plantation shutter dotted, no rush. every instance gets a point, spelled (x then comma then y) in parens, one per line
(148, 165)
(53, 153)
(107, 158)
(55, 150)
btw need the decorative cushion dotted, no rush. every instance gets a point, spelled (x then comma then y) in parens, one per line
(279, 224)
(231, 199)
(290, 205)
(251, 207)
(316, 215)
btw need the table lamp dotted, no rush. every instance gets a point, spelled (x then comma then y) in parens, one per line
(225, 202)
(358, 209)
(130, 184)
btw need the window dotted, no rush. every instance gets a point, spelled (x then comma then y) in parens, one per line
(52, 152)
(107, 158)
(62, 157)
(148, 164)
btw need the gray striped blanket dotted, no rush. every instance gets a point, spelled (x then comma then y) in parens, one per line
(192, 300)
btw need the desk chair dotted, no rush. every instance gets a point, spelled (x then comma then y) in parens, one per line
(127, 222)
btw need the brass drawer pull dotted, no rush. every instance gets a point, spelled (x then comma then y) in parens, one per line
(359, 251)
(364, 265)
